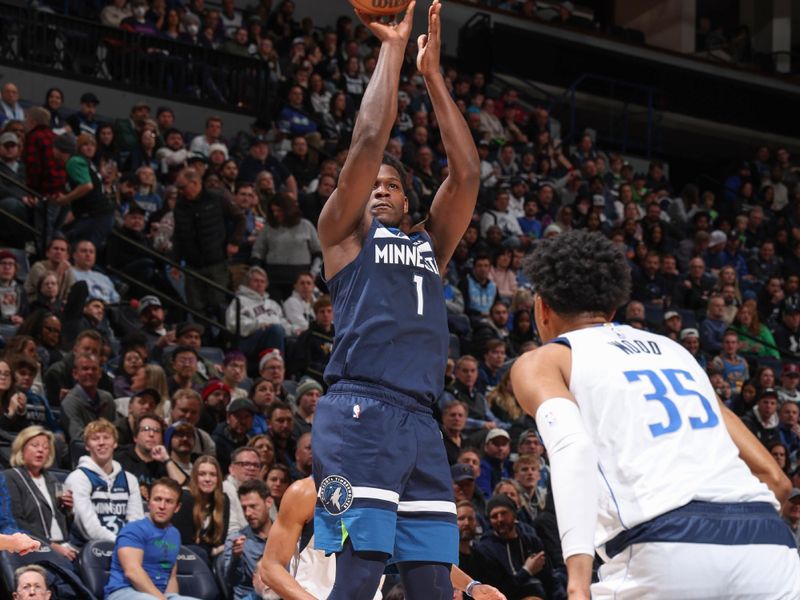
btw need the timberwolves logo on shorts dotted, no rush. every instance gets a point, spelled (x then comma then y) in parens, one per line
(335, 494)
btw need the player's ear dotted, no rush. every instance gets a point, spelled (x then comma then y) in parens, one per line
(405, 204)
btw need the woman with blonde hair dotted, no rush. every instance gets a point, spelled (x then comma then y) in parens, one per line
(205, 510)
(506, 409)
(37, 502)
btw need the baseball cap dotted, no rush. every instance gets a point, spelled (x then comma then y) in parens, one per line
(148, 302)
(496, 433)
(9, 137)
(140, 104)
(195, 157)
(170, 432)
(152, 392)
(717, 237)
(241, 404)
(500, 501)
(768, 392)
(89, 98)
(186, 327)
(401, 95)
(791, 309)
(5, 254)
(66, 143)
(214, 385)
(484, 143)
(525, 435)
(260, 139)
(267, 355)
(460, 472)
(689, 332)
(670, 314)
(791, 369)
(598, 200)
(794, 496)
(134, 208)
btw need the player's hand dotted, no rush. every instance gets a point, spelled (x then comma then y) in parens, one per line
(430, 45)
(389, 32)
(486, 592)
(535, 563)
(159, 453)
(22, 544)
(238, 545)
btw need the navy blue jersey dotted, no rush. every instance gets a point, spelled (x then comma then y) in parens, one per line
(390, 315)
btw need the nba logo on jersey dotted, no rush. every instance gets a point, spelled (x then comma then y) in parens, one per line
(335, 494)
(356, 411)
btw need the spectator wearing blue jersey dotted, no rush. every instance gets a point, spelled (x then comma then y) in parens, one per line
(105, 496)
(490, 370)
(144, 563)
(528, 223)
(478, 289)
(495, 464)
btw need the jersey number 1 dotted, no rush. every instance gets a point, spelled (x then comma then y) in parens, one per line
(420, 298)
(661, 394)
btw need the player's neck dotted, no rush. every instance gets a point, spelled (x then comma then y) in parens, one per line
(581, 322)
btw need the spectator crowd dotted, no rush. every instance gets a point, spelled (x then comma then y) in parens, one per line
(183, 406)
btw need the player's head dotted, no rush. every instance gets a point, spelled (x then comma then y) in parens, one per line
(576, 275)
(388, 202)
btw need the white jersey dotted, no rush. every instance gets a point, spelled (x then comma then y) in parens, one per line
(655, 421)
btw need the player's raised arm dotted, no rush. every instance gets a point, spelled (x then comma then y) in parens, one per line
(756, 457)
(454, 202)
(539, 379)
(344, 210)
(297, 507)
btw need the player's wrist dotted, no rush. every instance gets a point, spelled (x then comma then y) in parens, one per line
(471, 587)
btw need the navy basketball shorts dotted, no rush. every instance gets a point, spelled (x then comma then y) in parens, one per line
(382, 476)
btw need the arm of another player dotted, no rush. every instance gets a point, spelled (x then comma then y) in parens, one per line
(297, 508)
(540, 384)
(481, 591)
(454, 203)
(755, 456)
(344, 209)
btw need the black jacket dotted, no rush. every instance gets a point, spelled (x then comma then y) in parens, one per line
(200, 236)
(31, 511)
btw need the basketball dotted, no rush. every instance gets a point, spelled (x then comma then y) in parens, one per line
(381, 7)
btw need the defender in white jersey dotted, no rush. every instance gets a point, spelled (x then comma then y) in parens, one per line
(648, 467)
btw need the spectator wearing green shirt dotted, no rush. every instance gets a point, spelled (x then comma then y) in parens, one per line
(92, 216)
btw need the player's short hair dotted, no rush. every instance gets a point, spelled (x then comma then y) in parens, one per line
(277, 405)
(100, 426)
(28, 569)
(253, 485)
(526, 459)
(579, 272)
(391, 161)
(169, 484)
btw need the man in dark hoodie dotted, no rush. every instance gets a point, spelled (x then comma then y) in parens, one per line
(515, 562)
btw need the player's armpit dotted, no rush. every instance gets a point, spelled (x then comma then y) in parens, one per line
(541, 374)
(297, 508)
(755, 455)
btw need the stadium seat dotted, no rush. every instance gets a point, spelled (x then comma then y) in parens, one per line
(59, 474)
(62, 578)
(94, 565)
(195, 578)
(218, 566)
(212, 354)
(8, 331)
(77, 448)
